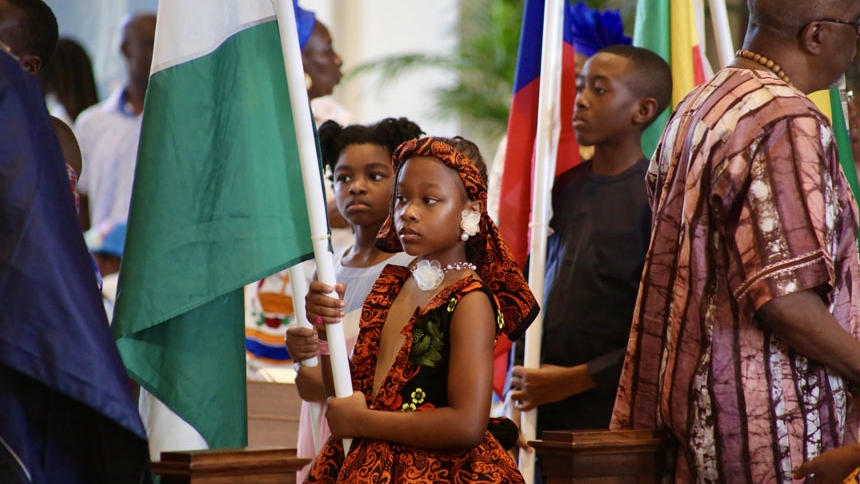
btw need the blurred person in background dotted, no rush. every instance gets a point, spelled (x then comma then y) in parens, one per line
(68, 81)
(109, 132)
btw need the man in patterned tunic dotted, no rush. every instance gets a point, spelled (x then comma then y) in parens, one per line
(745, 336)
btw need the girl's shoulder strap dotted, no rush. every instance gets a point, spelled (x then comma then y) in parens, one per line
(468, 285)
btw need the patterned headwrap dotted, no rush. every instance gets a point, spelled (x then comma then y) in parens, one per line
(494, 260)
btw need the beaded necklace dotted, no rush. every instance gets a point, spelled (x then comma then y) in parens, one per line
(765, 62)
(429, 274)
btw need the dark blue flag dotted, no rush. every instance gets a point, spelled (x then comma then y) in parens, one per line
(66, 410)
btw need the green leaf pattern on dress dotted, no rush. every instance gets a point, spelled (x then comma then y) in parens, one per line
(427, 339)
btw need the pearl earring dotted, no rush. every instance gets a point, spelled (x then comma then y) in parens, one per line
(470, 221)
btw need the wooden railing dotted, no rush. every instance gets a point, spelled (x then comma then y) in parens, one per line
(270, 458)
(582, 457)
(229, 466)
(603, 456)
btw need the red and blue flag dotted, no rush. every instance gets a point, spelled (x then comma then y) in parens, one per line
(517, 178)
(516, 189)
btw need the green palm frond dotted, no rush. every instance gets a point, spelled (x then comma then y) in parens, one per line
(388, 68)
(484, 62)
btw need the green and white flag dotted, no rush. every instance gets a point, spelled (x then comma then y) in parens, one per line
(217, 203)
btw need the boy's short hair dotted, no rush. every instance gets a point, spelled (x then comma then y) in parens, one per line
(650, 75)
(40, 28)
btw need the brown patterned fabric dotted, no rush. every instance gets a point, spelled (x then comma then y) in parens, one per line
(416, 382)
(750, 204)
(496, 264)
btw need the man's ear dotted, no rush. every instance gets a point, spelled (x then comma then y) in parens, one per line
(646, 109)
(31, 63)
(811, 38)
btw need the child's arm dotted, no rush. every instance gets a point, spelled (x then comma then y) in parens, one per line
(321, 308)
(301, 345)
(533, 387)
(462, 424)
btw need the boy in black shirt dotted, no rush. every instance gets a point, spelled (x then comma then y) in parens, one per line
(601, 229)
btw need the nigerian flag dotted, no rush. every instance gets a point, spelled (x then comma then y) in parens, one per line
(217, 203)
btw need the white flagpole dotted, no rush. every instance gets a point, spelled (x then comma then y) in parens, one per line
(313, 189)
(546, 148)
(299, 287)
(722, 32)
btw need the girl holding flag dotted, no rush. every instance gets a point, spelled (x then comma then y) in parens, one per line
(410, 417)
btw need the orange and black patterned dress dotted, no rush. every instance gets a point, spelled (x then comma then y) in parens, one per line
(417, 381)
